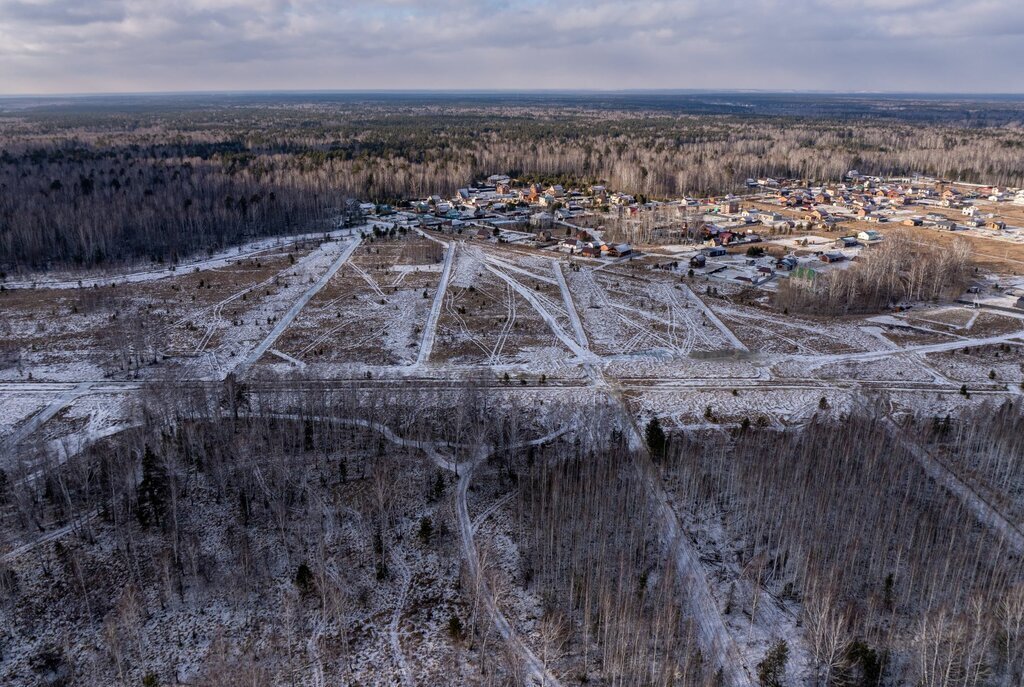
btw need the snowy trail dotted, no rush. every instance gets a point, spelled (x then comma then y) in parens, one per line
(430, 329)
(50, 536)
(534, 666)
(394, 638)
(482, 517)
(494, 357)
(570, 306)
(217, 310)
(986, 514)
(704, 609)
(79, 522)
(581, 352)
(506, 265)
(287, 358)
(282, 324)
(370, 281)
(39, 419)
(714, 636)
(819, 360)
(726, 332)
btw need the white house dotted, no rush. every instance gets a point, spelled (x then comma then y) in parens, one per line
(869, 235)
(541, 219)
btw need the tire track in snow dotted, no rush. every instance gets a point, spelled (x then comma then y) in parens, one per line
(243, 366)
(986, 514)
(726, 332)
(430, 328)
(570, 306)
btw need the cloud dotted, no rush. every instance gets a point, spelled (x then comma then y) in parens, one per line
(127, 45)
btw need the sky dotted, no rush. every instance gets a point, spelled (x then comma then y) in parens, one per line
(97, 46)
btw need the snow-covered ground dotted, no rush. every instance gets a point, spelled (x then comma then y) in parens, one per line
(387, 316)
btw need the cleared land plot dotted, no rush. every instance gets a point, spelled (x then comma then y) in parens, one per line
(486, 319)
(771, 332)
(991, 254)
(629, 316)
(372, 311)
(113, 330)
(995, 363)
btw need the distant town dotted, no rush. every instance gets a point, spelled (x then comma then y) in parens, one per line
(780, 228)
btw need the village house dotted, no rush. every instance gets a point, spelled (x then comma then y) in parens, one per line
(869, 235)
(541, 219)
(787, 263)
(544, 238)
(729, 207)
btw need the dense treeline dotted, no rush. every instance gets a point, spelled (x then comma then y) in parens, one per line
(611, 599)
(987, 446)
(289, 512)
(295, 526)
(87, 187)
(92, 211)
(896, 271)
(886, 565)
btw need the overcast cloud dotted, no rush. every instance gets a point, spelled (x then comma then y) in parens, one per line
(67, 46)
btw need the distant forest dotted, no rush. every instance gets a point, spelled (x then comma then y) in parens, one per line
(95, 181)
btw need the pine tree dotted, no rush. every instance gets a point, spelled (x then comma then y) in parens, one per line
(153, 491)
(304, 578)
(655, 435)
(455, 629)
(426, 531)
(437, 488)
(772, 667)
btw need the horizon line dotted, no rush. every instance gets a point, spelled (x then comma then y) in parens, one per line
(508, 91)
